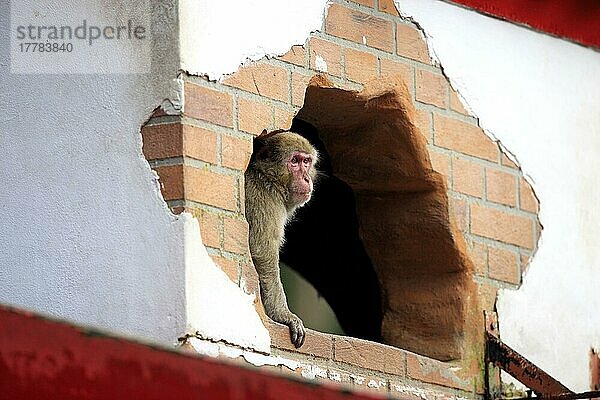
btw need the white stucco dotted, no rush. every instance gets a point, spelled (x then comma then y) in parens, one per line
(540, 97)
(86, 235)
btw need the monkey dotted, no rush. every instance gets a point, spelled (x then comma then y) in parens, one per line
(279, 179)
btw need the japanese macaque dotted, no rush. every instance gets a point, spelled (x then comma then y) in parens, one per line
(279, 179)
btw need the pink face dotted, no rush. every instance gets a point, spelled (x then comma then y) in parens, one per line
(299, 164)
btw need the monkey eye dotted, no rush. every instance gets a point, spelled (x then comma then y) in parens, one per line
(294, 160)
(307, 161)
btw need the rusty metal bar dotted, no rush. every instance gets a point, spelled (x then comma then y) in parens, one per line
(530, 375)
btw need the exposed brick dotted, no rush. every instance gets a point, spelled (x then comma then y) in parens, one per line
(440, 162)
(456, 104)
(501, 187)
(467, 177)
(432, 371)
(366, 3)
(423, 124)
(236, 235)
(162, 141)
(296, 55)
(171, 181)
(463, 137)
(388, 6)
(507, 162)
(525, 259)
(478, 253)
(360, 66)
(299, 83)
(528, 201)
(410, 43)
(504, 265)
(391, 68)
(431, 88)
(498, 225)
(487, 295)
(458, 210)
(210, 227)
(315, 343)
(282, 117)
(208, 105)
(236, 152)
(263, 79)
(210, 188)
(325, 56)
(174, 140)
(369, 355)
(253, 116)
(228, 266)
(360, 27)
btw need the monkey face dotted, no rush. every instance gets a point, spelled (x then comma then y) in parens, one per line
(299, 165)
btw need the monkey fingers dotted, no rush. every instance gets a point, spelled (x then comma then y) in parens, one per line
(297, 332)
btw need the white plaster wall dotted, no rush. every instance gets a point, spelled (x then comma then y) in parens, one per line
(85, 234)
(540, 96)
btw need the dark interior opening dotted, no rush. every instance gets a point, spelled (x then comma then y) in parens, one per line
(323, 245)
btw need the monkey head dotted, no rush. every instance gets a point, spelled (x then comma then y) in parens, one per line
(288, 161)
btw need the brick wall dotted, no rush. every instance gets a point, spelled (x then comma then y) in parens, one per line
(201, 156)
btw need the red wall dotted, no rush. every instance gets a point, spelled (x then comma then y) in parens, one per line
(577, 20)
(44, 359)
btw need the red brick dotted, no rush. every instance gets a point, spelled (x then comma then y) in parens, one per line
(210, 227)
(467, 177)
(325, 56)
(236, 152)
(507, 162)
(236, 235)
(296, 55)
(171, 181)
(458, 210)
(360, 66)
(283, 117)
(388, 6)
(463, 137)
(488, 293)
(422, 121)
(369, 355)
(504, 265)
(440, 162)
(228, 266)
(210, 188)
(478, 253)
(359, 27)
(253, 116)
(392, 68)
(263, 79)
(431, 88)
(315, 343)
(456, 103)
(528, 200)
(498, 225)
(501, 187)
(432, 371)
(208, 105)
(366, 3)
(299, 83)
(175, 140)
(410, 44)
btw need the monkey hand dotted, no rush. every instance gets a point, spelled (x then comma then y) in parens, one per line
(297, 332)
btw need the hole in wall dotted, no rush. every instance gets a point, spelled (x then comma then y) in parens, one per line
(382, 249)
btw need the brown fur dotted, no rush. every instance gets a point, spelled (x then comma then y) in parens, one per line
(269, 205)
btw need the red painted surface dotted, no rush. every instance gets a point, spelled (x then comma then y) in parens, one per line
(578, 20)
(44, 359)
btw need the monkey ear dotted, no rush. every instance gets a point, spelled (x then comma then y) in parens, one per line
(263, 133)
